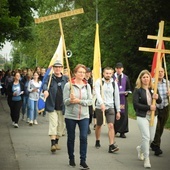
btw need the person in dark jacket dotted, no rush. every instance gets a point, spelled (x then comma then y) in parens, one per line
(15, 91)
(142, 102)
(54, 104)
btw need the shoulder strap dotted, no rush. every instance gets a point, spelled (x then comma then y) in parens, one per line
(113, 84)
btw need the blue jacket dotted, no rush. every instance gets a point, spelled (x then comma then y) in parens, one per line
(50, 101)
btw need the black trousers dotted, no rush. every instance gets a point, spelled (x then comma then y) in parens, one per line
(163, 115)
(90, 114)
(15, 107)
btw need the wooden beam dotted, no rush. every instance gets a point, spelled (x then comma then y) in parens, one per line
(158, 38)
(154, 50)
(59, 15)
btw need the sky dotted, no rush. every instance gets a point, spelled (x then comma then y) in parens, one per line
(5, 51)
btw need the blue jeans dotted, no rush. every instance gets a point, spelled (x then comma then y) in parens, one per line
(83, 127)
(25, 105)
(32, 109)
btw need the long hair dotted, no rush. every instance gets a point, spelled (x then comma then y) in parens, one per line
(139, 81)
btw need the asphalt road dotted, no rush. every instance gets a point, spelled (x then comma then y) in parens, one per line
(28, 148)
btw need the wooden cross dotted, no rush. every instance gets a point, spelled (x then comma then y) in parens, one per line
(59, 16)
(159, 51)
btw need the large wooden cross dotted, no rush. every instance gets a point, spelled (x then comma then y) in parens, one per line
(59, 16)
(159, 51)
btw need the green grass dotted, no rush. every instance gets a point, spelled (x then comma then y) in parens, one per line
(133, 115)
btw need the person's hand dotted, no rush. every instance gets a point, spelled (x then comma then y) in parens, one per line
(118, 116)
(102, 107)
(34, 90)
(168, 92)
(152, 107)
(15, 94)
(46, 94)
(73, 99)
(155, 96)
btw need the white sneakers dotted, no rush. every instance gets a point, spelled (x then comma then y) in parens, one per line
(16, 125)
(141, 157)
(33, 122)
(147, 163)
(140, 154)
(28, 120)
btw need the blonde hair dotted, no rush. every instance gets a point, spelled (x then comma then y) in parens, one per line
(139, 82)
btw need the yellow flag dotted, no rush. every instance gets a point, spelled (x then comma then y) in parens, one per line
(97, 57)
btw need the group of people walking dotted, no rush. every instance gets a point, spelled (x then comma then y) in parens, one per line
(22, 93)
(69, 102)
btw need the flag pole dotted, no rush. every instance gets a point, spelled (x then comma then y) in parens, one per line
(65, 52)
(166, 75)
(97, 27)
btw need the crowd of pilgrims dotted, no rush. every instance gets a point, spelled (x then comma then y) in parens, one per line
(30, 81)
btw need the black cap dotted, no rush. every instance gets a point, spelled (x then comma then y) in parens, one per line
(58, 63)
(88, 69)
(119, 65)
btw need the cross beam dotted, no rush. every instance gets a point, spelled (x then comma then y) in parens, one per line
(159, 51)
(59, 15)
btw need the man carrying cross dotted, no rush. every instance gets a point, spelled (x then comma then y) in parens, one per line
(163, 112)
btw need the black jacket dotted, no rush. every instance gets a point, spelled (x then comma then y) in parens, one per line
(140, 102)
(10, 93)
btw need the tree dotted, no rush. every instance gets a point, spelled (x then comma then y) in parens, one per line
(15, 19)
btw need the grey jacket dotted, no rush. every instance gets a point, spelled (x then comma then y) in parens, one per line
(110, 96)
(77, 111)
(31, 86)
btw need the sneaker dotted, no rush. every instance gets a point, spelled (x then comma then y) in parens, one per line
(28, 120)
(72, 163)
(31, 123)
(13, 123)
(35, 122)
(113, 148)
(158, 151)
(147, 163)
(57, 147)
(153, 147)
(97, 145)
(83, 165)
(140, 154)
(53, 148)
(16, 125)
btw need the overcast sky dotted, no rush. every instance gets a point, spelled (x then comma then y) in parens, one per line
(6, 50)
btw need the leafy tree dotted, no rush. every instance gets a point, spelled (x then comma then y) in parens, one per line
(15, 19)
(123, 27)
